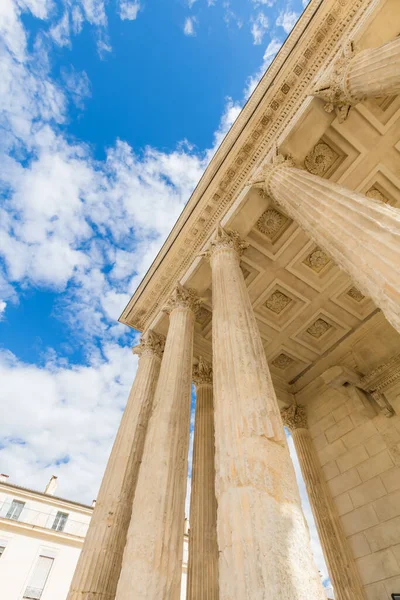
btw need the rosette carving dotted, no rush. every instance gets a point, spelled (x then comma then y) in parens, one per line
(183, 298)
(150, 343)
(202, 372)
(294, 417)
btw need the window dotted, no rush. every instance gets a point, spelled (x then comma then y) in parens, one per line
(15, 510)
(38, 578)
(59, 521)
(2, 548)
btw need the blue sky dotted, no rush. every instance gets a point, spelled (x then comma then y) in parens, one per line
(110, 112)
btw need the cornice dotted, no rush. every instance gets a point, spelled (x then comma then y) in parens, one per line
(383, 376)
(57, 501)
(273, 106)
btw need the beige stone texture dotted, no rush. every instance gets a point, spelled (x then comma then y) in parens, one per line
(388, 507)
(331, 452)
(342, 570)
(339, 429)
(344, 482)
(152, 561)
(96, 575)
(343, 504)
(359, 520)
(262, 537)
(383, 535)
(375, 465)
(359, 545)
(391, 479)
(202, 581)
(377, 566)
(345, 224)
(376, 444)
(376, 591)
(367, 492)
(359, 435)
(353, 457)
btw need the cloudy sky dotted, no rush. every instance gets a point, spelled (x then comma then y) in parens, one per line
(110, 111)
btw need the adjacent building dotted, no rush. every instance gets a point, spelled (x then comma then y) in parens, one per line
(41, 537)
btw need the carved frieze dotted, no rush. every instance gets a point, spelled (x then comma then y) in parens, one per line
(278, 301)
(282, 361)
(319, 328)
(316, 260)
(320, 159)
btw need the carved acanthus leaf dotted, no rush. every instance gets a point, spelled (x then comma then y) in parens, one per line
(332, 86)
(150, 343)
(263, 176)
(295, 417)
(183, 298)
(202, 372)
(226, 238)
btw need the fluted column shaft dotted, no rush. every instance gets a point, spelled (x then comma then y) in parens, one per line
(340, 563)
(263, 540)
(203, 549)
(152, 561)
(356, 76)
(361, 235)
(374, 72)
(97, 572)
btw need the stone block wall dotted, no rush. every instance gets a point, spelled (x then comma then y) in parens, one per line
(360, 459)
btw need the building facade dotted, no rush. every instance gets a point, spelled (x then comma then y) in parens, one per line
(278, 294)
(41, 537)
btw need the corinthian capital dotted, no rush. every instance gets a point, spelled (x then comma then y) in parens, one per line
(295, 417)
(183, 298)
(263, 176)
(202, 372)
(150, 343)
(332, 87)
(226, 238)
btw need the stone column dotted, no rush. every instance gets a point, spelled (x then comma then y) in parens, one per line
(361, 235)
(152, 561)
(96, 575)
(203, 549)
(339, 560)
(356, 76)
(263, 540)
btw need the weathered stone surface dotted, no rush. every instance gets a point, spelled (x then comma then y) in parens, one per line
(151, 567)
(262, 537)
(342, 570)
(361, 236)
(96, 575)
(202, 582)
(356, 76)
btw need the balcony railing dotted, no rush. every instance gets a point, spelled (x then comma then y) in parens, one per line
(37, 518)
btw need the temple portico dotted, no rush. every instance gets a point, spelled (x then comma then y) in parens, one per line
(278, 295)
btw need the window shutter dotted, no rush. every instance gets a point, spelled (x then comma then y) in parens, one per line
(39, 577)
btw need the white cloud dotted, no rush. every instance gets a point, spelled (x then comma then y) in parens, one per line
(128, 10)
(3, 306)
(259, 27)
(287, 20)
(63, 411)
(189, 26)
